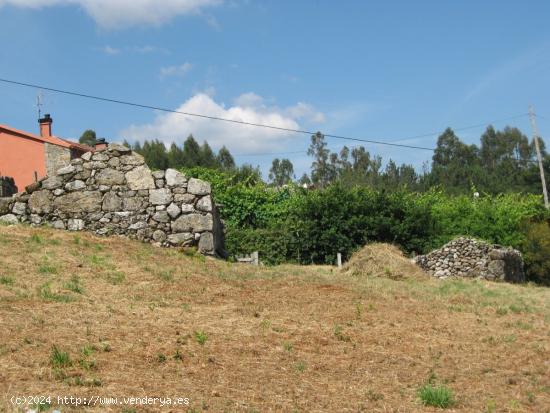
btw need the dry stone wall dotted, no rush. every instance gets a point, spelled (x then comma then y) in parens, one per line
(112, 192)
(466, 257)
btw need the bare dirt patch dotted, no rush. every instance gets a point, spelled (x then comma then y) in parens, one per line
(135, 320)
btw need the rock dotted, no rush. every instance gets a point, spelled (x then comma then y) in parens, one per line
(161, 196)
(198, 187)
(132, 204)
(117, 149)
(184, 198)
(111, 202)
(138, 225)
(204, 204)
(180, 238)
(133, 160)
(173, 210)
(140, 178)
(41, 202)
(75, 224)
(192, 222)
(19, 208)
(75, 185)
(5, 204)
(100, 156)
(158, 174)
(159, 236)
(52, 182)
(114, 162)
(187, 208)
(69, 169)
(87, 156)
(9, 219)
(35, 219)
(159, 183)
(75, 202)
(109, 176)
(174, 178)
(161, 216)
(58, 224)
(206, 243)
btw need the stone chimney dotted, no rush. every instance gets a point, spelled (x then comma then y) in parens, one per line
(45, 125)
(100, 144)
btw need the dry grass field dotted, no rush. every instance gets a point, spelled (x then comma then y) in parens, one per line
(109, 317)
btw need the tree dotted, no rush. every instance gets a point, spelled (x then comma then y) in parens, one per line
(155, 154)
(281, 172)
(455, 165)
(322, 172)
(88, 137)
(225, 159)
(191, 152)
(176, 157)
(207, 157)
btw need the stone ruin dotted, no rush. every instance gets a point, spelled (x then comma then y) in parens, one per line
(113, 192)
(466, 257)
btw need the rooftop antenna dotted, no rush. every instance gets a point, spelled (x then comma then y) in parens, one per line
(39, 104)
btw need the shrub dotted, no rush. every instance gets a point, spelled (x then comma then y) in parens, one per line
(536, 252)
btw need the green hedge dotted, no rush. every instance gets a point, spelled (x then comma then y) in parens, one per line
(297, 225)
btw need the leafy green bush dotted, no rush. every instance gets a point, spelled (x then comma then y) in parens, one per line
(536, 252)
(296, 225)
(273, 245)
(341, 220)
(496, 219)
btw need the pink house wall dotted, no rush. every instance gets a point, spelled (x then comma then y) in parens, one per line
(20, 157)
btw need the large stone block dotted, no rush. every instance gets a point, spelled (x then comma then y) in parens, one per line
(111, 202)
(193, 223)
(9, 219)
(79, 202)
(52, 182)
(109, 176)
(175, 178)
(183, 238)
(41, 202)
(161, 196)
(198, 187)
(206, 243)
(140, 178)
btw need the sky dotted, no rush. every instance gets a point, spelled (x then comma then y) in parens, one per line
(377, 70)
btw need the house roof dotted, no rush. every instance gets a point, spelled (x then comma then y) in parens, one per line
(54, 140)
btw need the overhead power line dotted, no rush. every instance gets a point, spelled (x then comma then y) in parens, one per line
(393, 142)
(260, 125)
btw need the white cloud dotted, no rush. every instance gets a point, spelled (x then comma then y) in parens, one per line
(177, 71)
(249, 107)
(110, 50)
(123, 13)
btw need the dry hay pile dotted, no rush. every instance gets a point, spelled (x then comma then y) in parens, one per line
(382, 260)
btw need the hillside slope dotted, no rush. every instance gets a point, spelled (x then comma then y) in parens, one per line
(109, 317)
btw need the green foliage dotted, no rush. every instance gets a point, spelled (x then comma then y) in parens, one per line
(341, 220)
(274, 245)
(281, 172)
(437, 396)
(201, 337)
(536, 252)
(497, 219)
(88, 137)
(59, 359)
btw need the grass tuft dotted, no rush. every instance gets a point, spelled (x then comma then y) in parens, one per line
(436, 395)
(60, 359)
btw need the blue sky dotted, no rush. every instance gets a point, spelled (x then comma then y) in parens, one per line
(380, 70)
